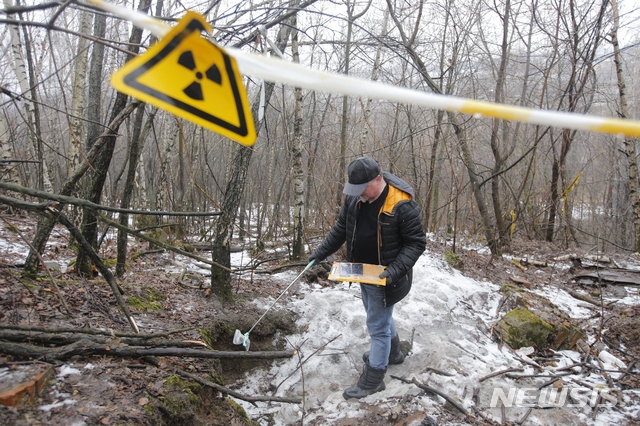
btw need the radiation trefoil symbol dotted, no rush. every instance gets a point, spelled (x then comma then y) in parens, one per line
(194, 90)
(192, 78)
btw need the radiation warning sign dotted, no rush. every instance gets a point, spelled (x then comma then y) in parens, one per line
(192, 78)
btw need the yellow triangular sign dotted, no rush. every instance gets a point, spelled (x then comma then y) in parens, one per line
(192, 78)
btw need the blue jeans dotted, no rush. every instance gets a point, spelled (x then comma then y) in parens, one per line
(380, 324)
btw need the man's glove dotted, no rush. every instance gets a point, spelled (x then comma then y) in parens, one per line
(314, 256)
(385, 274)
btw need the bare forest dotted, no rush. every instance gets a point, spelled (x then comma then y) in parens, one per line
(81, 156)
(489, 178)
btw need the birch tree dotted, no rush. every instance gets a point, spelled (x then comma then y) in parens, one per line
(23, 68)
(297, 172)
(7, 171)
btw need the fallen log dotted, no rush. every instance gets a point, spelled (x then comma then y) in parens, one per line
(497, 373)
(91, 331)
(89, 348)
(251, 399)
(586, 298)
(521, 281)
(69, 338)
(539, 263)
(612, 276)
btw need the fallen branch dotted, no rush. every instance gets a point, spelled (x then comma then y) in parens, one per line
(436, 391)
(69, 338)
(524, 417)
(89, 348)
(95, 258)
(91, 331)
(440, 372)
(569, 367)
(549, 383)
(521, 281)
(539, 263)
(628, 370)
(53, 215)
(497, 373)
(517, 263)
(533, 376)
(251, 399)
(586, 298)
(301, 363)
(80, 202)
(160, 243)
(182, 283)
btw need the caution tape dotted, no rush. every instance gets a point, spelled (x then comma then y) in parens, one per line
(280, 71)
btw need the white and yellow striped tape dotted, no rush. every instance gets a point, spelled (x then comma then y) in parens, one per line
(281, 71)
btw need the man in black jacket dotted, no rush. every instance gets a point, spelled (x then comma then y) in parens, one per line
(381, 224)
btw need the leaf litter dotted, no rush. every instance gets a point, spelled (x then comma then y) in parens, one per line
(448, 316)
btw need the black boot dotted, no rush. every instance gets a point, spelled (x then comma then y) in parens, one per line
(371, 381)
(396, 356)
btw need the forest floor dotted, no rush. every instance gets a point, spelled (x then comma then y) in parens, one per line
(108, 390)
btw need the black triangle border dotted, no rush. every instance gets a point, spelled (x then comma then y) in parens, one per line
(131, 80)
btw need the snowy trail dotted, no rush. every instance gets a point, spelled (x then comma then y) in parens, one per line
(452, 316)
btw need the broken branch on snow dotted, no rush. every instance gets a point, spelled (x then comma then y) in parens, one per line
(436, 391)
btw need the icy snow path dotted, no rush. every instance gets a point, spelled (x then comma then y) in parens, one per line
(451, 315)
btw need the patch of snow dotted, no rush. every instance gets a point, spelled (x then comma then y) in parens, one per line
(65, 371)
(49, 407)
(450, 318)
(564, 301)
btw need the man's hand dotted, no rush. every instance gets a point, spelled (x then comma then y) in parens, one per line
(384, 274)
(313, 256)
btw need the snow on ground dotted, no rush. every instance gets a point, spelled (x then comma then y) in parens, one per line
(452, 316)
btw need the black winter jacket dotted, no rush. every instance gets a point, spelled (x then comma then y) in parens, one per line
(401, 238)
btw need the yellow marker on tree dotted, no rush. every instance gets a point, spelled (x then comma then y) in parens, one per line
(565, 193)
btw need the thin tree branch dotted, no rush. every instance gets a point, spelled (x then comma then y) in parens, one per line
(436, 391)
(93, 206)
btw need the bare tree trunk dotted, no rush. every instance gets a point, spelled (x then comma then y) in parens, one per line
(45, 225)
(351, 18)
(7, 171)
(431, 202)
(499, 160)
(364, 136)
(78, 94)
(101, 166)
(297, 173)
(27, 80)
(629, 143)
(137, 141)
(221, 250)
(76, 125)
(460, 133)
(582, 48)
(313, 155)
(516, 133)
